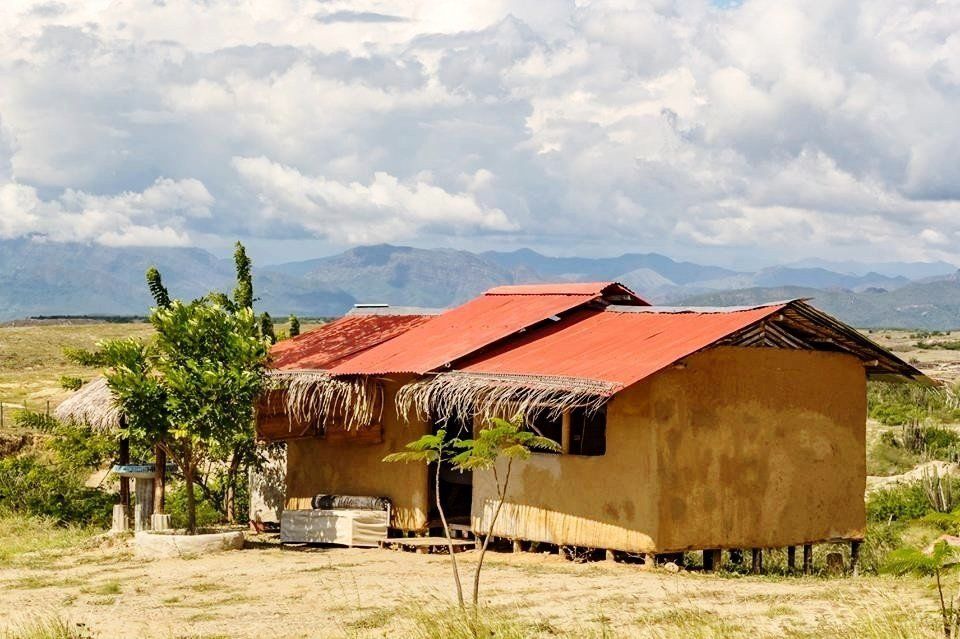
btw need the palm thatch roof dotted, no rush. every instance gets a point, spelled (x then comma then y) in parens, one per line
(94, 406)
(354, 402)
(487, 394)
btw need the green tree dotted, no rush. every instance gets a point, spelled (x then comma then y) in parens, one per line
(189, 391)
(935, 563)
(294, 326)
(266, 328)
(500, 439)
(495, 448)
(243, 293)
(159, 292)
(433, 449)
(211, 365)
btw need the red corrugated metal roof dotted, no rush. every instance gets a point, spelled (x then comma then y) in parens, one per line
(339, 340)
(621, 347)
(499, 313)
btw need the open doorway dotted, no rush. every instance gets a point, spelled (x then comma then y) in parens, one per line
(456, 486)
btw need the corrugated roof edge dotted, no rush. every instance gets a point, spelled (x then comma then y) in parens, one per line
(706, 310)
(393, 310)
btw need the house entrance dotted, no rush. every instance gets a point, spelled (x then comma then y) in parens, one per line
(456, 486)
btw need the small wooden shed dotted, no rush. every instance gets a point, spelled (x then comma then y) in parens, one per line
(681, 428)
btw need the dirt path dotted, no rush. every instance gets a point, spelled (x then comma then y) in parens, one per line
(375, 593)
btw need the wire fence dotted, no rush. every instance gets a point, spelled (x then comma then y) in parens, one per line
(9, 410)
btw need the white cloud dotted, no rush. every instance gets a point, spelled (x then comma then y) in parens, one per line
(386, 209)
(790, 127)
(154, 216)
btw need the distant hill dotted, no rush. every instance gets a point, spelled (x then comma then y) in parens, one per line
(47, 278)
(932, 305)
(403, 275)
(585, 269)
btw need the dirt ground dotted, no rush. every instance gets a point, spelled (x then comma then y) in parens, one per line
(337, 592)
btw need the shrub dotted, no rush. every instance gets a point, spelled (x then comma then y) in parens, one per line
(930, 441)
(176, 507)
(897, 404)
(882, 538)
(33, 485)
(899, 503)
(69, 382)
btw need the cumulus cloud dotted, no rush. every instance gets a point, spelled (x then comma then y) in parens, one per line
(385, 209)
(155, 216)
(692, 128)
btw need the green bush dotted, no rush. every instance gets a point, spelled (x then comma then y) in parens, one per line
(69, 382)
(33, 485)
(897, 404)
(176, 507)
(930, 441)
(882, 538)
(898, 503)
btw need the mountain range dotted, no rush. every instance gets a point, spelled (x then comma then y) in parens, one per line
(47, 278)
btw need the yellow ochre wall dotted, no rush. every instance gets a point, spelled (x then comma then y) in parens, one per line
(318, 466)
(744, 447)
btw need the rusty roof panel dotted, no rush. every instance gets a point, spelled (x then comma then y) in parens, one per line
(618, 347)
(338, 341)
(460, 332)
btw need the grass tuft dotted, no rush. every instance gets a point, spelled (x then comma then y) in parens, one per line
(49, 628)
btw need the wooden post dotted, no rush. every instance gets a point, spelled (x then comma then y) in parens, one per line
(791, 558)
(610, 555)
(123, 459)
(565, 433)
(160, 481)
(855, 557)
(757, 566)
(517, 546)
(712, 559)
(807, 559)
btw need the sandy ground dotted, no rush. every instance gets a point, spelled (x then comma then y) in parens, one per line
(339, 592)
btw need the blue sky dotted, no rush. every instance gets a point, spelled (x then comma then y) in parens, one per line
(739, 133)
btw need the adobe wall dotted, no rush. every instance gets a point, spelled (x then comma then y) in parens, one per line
(315, 465)
(744, 447)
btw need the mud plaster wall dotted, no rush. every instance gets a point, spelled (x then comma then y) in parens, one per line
(318, 466)
(745, 447)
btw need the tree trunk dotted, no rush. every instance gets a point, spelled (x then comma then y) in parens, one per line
(123, 458)
(502, 495)
(188, 472)
(230, 493)
(160, 482)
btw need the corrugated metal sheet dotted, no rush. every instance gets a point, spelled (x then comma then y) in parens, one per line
(339, 340)
(611, 346)
(462, 331)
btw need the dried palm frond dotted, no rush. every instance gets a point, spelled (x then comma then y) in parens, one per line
(485, 394)
(317, 396)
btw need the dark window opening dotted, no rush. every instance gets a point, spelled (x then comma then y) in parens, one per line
(548, 425)
(588, 431)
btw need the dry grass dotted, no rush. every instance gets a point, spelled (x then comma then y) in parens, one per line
(32, 360)
(29, 539)
(375, 593)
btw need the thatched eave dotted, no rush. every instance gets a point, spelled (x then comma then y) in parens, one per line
(493, 394)
(316, 396)
(92, 405)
